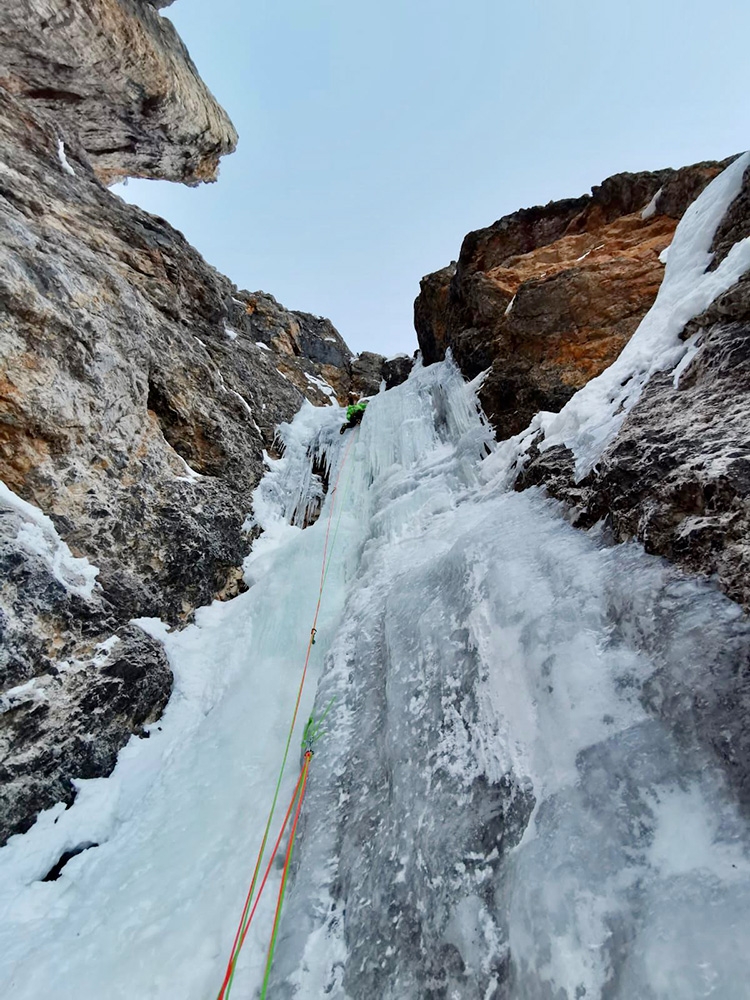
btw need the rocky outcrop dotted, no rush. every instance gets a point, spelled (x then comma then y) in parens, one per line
(76, 681)
(301, 335)
(138, 391)
(546, 298)
(369, 371)
(116, 74)
(677, 476)
(140, 387)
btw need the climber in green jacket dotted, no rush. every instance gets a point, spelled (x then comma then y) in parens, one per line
(354, 414)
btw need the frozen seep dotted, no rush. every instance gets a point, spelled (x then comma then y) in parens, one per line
(38, 535)
(515, 798)
(294, 487)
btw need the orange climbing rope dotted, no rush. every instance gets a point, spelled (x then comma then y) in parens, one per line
(250, 907)
(285, 876)
(239, 938)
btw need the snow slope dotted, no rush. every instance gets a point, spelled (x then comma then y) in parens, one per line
(151, 911)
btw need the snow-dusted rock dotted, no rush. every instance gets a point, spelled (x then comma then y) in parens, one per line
(677, 474)
(75, 681)
(659, 433)
(131, 420)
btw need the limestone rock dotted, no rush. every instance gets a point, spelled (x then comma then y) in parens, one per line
(75, 683)
(139, 388)
(547, 297)
(116, 74)
(431, 310)
(370, 370)
(138, 391)
(677, 477)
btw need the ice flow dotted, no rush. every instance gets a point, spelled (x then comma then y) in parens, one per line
(516, 797)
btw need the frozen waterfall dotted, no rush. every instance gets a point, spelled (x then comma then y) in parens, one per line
(520, 794)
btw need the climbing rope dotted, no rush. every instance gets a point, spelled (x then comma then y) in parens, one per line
(285, 875)
(240, 937)
(311, 731)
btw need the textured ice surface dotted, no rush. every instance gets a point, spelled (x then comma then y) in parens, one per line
(513, 799)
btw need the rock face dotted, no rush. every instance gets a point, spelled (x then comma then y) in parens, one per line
(677, 477)
(369, 370)
(547, 297)
(116, 73)
(139, 388)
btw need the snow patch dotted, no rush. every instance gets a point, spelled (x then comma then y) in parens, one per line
(324, 387)
(585, 255)
(64, 159)
(103, 649)
(650, 210)
(191, 475)
(38, 535)
(31, 691)
(247, 408)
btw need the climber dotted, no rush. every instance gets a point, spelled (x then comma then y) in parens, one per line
(354, 414)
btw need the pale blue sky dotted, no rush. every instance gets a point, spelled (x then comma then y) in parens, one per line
(374, 136)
